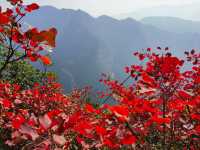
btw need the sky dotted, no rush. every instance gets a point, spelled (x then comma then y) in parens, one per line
(109, 7)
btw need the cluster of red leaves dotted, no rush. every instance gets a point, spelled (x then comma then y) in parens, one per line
(31, 41)
(162, 98)
(42, 117)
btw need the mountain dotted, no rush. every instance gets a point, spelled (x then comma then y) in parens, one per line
(88, 46)
(184, 11)
(173, 24)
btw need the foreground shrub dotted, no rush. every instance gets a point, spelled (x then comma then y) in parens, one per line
(41, 117)
(159, 109)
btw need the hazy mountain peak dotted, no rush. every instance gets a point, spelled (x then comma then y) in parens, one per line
(173, 24)
(105, 17)
(167, 18)
(88, 46)
(185, 11)
(129, 20)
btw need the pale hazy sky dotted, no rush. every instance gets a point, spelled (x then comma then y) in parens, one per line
(109, 7)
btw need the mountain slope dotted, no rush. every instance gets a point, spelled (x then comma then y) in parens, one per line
(88, 46)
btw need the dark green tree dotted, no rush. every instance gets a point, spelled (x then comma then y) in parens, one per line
(22, 72)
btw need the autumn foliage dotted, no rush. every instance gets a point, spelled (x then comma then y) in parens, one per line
(156, 107)
(30, 41)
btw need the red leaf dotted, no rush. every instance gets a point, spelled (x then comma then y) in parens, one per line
(160, 120)
(195, 116)
(108, 143)
(120, 111)
(126, 69)
(49, 36)
(141, 56)
(19, 12)
(32, 7)
(1, 29)
(46, 60)
(89, 108)
(18, 121)
(149, 49)
(79, 140)
(4, 19)
(33, 58)
(184, 95)
(54, 113)
(128, 140)
(6, 103)
(147, 79)
(14, 2)
(100, 130)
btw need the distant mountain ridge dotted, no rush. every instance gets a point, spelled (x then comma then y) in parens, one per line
(88, 46)
(173, 24)
(184, 11)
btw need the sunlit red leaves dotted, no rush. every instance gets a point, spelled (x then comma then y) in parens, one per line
(160, 120)
(101, 131)
(41, 116)
(126, 69)
(128, 140)
(149, 49)
(110, 143)
(46, 60)
(84, 128)
(4, 19)
(90, 108)
(19, 12)
(121, 112)
(32, 7)
(18, 121)
(147, 79)
(161, 85)
(48, 36)
(15, 2)
(32, 57)
(184, 95)
(177, 105)
(1, 29)
(169, 64)
(6, 103)
(17, 36)
(139, 55)
(195, 117)
(32, 41)
(54, 113)
(8, 12)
